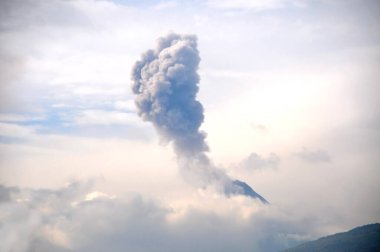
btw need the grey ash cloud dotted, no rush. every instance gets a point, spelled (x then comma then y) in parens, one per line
(166, 85)
(165, 82)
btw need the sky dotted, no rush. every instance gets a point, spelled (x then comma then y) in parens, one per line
(289, 90)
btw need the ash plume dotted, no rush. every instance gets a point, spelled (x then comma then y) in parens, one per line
(165, 82)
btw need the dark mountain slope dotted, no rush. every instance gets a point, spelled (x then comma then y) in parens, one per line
(361, 239)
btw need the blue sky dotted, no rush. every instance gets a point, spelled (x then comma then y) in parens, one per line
(290, 93)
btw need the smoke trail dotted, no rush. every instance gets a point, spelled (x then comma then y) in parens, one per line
(165, 81)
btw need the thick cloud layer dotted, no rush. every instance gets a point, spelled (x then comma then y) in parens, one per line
(77, 218)
(165, 81)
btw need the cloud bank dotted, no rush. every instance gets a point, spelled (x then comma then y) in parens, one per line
(77, 218)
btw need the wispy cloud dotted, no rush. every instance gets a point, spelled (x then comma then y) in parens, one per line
(103, 117)
(18, 118)
(125, 105)
(314, 156)
(259, 126)
(250, 4)
(256, 162)
(16, 131)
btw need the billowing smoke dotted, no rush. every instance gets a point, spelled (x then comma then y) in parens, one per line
(165, 82)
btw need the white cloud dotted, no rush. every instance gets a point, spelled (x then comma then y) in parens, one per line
(314, 156)
(127, 105)
(13, 118)
(163, 5)
(257, 162)
(91, 91)
(16, 131)
(50, 220)
(97, 195)
(102, 117)
(249, 4)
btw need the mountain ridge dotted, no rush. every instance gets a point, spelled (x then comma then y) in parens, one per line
(363, 238)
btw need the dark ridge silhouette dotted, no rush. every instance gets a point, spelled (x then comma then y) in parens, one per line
(361, 239)
(247, 190)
